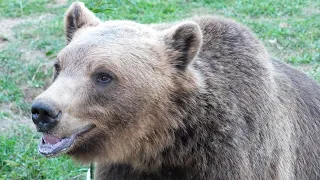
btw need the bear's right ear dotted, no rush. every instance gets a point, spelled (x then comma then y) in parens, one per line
(183, 42)
(78, 16)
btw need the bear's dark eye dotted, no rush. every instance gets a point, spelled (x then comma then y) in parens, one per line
(103, 78)
(57, 69)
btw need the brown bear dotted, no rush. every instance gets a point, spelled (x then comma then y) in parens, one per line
(198, 99)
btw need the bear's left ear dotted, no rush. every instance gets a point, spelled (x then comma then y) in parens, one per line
(78, 16)
(183, 42)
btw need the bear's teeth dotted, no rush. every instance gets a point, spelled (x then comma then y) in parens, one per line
(50, 139)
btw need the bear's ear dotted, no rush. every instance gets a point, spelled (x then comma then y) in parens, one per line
(78, 16)
(183, 42)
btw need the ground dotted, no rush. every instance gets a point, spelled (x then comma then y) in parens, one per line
(31, 34)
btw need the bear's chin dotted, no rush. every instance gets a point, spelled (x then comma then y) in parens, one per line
(89, 148)
(83, 154)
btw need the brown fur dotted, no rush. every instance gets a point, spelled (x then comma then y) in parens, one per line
(198, 99)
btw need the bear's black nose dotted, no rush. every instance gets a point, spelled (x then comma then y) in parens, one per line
(45, 115)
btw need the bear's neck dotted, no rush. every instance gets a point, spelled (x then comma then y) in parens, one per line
(191, 141)
(187, 153)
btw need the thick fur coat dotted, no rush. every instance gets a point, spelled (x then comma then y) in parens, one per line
(195, 100)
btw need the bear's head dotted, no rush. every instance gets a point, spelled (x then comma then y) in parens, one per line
(114, 87)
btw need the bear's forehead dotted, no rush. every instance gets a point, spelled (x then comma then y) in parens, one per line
(109, 53)
(112, 42)
(113, 35)
(87, 59)
(92, 52)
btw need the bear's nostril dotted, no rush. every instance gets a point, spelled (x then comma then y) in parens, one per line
(45, 115)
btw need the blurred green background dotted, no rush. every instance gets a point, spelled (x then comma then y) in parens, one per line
(31, 34)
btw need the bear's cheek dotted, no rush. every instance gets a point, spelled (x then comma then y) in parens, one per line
(112, 104)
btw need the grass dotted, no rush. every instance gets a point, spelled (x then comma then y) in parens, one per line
(290, 29)
(21, 8)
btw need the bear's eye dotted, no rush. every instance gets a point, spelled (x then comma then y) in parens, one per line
(103, 78)
(56, 68)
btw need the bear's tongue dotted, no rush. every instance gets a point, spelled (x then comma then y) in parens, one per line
(51, 139)
(51, 145)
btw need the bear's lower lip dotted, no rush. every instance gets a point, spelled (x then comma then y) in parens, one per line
(61, 145)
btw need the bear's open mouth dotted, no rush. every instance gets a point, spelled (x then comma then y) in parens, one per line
(51, 145)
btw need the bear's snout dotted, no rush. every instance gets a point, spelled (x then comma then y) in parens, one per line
(45, 115)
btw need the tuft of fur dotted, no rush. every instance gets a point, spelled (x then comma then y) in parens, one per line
(199, 99)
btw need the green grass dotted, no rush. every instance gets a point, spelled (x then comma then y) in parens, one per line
(290, 29)
(22, 8)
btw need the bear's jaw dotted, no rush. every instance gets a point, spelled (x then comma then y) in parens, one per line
(51, 145)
